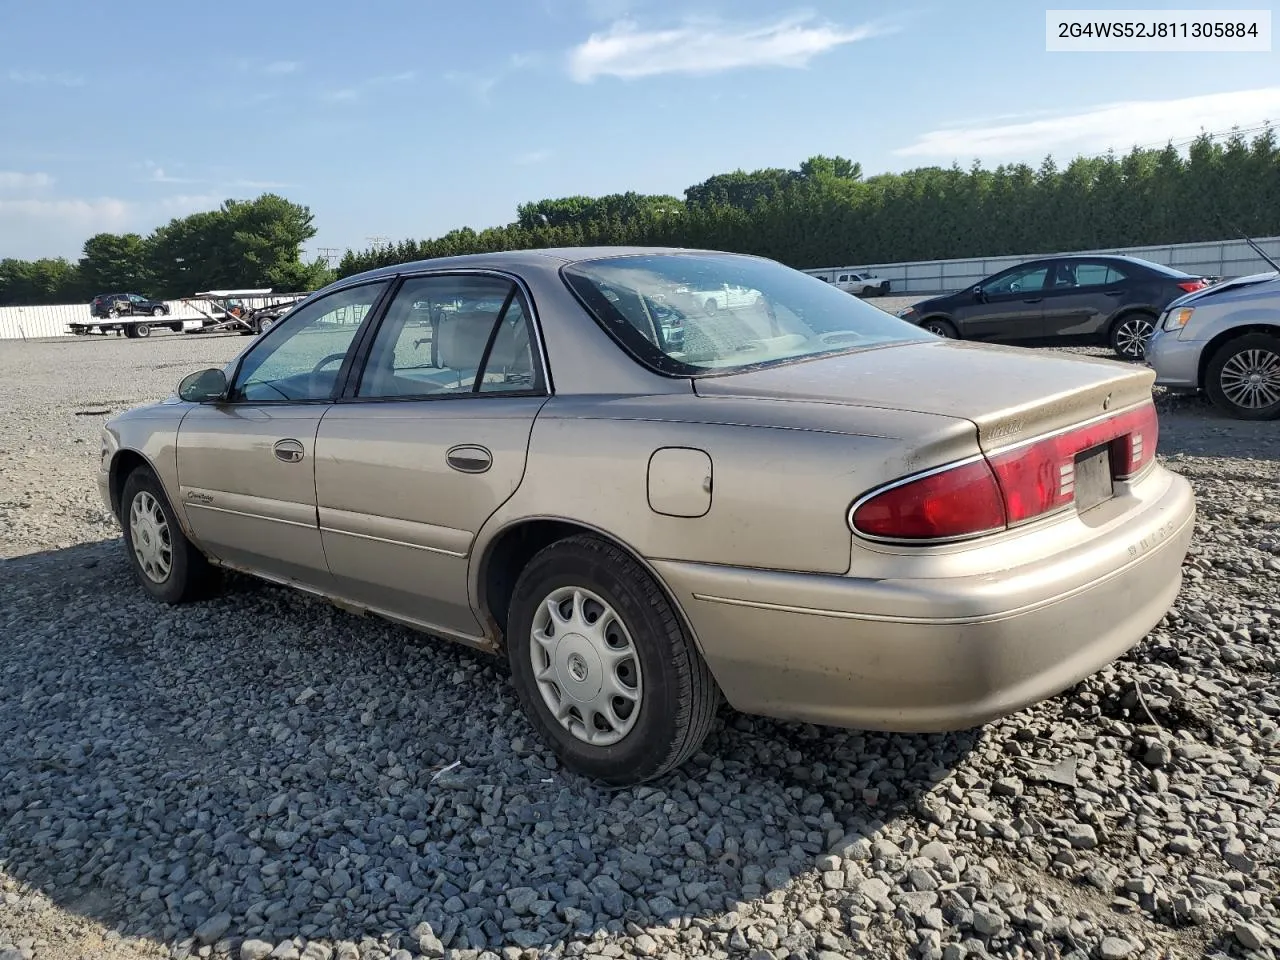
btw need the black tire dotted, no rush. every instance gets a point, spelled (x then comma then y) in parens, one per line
(1126, 328)
(128, 331)
(190, 576)
(711, 306)
(678, 697)
(1260, 350)
(176, 327)
(884, 289)
(941, 328)
(142, 329)
(157, 311)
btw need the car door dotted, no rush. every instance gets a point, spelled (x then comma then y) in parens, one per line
(246, 467)
(1080, 297)
(428, 441)
(1008, 308)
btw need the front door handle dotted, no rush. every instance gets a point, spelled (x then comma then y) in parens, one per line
(1033, 300)
(1114, 293)
(469, 458)
(290, 451)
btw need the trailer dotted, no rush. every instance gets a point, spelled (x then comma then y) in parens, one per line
(248, 312)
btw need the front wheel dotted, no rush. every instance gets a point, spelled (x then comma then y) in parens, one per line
(1130, 334)
(164, 561)
(603, 666)
(1243, 377)
(941, 328)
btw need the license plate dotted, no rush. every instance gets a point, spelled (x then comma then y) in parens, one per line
(1093, 478)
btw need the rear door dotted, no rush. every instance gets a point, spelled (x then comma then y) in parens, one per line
(246, 468)
(1081, 296)
(428, 441)
(1010, 307)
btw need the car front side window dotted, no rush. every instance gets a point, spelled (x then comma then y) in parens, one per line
(300, 359)
(1017, 281)
(451, 334)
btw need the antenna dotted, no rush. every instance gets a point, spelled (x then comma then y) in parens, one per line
(1249, 240)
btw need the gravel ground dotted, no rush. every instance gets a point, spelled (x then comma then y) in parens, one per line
(262, 774)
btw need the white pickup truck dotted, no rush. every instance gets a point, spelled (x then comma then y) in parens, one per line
(724, 297)
(861, 284)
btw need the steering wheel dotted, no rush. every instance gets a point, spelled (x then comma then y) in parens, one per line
(328, 360)
(832, 337)
(1014, 286)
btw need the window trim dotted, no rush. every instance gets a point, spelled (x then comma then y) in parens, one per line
(364, 347)
(375, 310)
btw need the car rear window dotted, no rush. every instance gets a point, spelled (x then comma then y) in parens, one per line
(731, 312)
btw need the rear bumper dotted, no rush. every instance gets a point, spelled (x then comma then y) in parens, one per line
(1176, 362)
(934, 654)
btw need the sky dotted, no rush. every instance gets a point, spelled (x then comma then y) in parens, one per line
(408, 119)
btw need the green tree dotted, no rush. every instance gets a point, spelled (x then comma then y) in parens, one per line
(113, 263)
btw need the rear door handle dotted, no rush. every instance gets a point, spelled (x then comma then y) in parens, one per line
(1034, 300)
(1114, 293)
(469, 458)
(290, 451)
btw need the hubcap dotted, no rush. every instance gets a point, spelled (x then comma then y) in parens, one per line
(936, 329)
(586, 666)
(1251, 379)
(1133, 335)
(149, 531)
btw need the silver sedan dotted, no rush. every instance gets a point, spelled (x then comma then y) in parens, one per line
(789, 500)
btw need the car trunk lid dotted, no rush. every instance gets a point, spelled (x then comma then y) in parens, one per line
(1010, 394)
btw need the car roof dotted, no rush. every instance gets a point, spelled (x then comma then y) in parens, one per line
(518, 258)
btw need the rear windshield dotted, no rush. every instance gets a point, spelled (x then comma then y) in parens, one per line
(690, 314)
(1159, 268)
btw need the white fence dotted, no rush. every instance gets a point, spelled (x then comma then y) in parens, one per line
(28, 323)
(1227, 258)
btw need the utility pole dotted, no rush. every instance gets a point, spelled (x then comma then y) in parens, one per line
(330, 255)
(378, 242)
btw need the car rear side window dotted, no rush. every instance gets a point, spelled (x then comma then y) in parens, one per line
(448, 335)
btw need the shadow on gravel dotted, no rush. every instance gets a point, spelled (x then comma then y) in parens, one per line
(265, 766)
(1192, 426)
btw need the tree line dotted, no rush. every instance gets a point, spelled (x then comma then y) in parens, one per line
(823, 213)
(244, 243)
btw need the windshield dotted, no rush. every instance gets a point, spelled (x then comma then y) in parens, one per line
(688, 314)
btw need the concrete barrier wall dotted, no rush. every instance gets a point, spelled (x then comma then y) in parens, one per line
(1228, 258)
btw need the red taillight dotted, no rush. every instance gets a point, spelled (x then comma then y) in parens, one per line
(958, 502)
(1008, 487)
(1191, 286)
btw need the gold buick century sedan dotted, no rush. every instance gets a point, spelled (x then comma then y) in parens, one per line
(655, 477)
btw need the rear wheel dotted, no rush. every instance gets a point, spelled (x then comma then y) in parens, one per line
(164, 561)
(941, 328)
(142, 329)
(711, 306)
(1130, 334)
(1243, 377)
(157, 311)
(603, 666)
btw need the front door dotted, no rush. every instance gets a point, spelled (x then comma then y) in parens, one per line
(1009, 308)
(246, 467)
(430, 441)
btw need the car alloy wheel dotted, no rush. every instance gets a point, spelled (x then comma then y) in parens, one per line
(940, 328)
(1251, 379)
(585, 663)
(149, 534)
(158, 312)
(1132, 335)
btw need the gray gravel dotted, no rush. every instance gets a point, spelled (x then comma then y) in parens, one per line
(263, 776)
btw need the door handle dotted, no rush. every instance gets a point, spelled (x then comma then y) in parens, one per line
(1114, 293)
(469, 458)
(290, 451)
(1033, 300)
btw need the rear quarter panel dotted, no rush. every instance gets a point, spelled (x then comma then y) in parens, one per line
(783, 474)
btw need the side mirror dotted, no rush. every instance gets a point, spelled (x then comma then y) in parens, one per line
(203, 386)
(977, 292)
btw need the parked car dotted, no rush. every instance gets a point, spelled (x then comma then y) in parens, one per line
(725, 296)
(1076, 299)
(862, 284)
(808, 507)
(1225, 341)
(111, 305)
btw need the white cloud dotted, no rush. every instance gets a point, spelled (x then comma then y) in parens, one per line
(33, 228)
(12, 181)
(356, 91)
(36, 78)
(480, 85)
(707, 46)
(533, 156)
(281, 67)
(1119, 125)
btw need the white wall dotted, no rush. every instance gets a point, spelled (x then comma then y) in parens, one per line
(33, 322)
(1229, 258)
